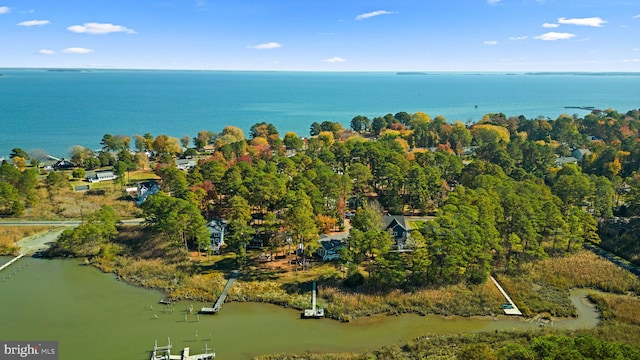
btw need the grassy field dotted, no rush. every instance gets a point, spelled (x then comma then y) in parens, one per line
(68, 204)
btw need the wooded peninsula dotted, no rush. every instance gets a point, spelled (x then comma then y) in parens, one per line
(397, 214)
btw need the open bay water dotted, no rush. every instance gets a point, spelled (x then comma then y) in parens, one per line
(54, 110)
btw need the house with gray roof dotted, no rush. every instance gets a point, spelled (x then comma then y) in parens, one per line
(397, 226)
(217, 228)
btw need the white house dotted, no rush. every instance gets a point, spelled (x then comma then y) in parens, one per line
(185, 164)
(101, 176)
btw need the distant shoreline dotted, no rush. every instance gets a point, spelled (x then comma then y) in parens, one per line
(434, 72)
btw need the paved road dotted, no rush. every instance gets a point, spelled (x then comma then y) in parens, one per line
(35, 243)
(39, 242)
(71, 223)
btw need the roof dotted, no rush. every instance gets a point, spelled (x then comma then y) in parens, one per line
(216, 224)
(330, 244)
(393, 220)
(566, 160)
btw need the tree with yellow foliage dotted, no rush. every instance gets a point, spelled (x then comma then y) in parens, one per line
(488, 133)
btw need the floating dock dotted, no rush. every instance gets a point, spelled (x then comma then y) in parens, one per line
(314, 312)
(512, 309)
(218, 305)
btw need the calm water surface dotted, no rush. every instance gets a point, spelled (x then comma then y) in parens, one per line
(90, 312)
(56, 110)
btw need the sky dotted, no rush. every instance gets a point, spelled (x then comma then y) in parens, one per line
(323, 35)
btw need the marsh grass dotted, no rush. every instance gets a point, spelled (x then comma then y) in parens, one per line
(585, 269)
(9, 235)
(544, 286)
(619, 307)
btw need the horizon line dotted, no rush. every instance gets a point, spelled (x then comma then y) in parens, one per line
(403, 72)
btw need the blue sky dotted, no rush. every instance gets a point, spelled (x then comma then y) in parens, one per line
(327, 35)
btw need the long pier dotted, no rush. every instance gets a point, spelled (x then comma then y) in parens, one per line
(508, 311)
(11, 262)
(216, 307)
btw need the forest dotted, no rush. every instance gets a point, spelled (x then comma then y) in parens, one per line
(513, 197)
(501, 192)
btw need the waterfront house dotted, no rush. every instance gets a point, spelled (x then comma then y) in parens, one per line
(330, 249)
(63, 164)
(397, 226)
(217, 228)
(146, 189)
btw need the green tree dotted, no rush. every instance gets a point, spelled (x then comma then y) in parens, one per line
(369, 217)
(360, 124)
(10, 202)
(301, 222)
(78, 173)
(292, 141)
(179, 221)
(96, 230)
(18, 152)
(240, 232)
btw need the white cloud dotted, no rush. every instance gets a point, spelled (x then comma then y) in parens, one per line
(77, 50)
(493, 2)
(518, 38)
(4, 10)
(266, 46)
(373, 14)
(592, 21)
(46, 52)
(631, 60)
(550, 26)
(490, 42)
(34, 23)
(637, 16)
(553, 36)
(99, 29)
(334, 60)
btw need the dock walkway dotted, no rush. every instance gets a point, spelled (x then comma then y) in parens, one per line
(514, 310)
(11, 262)
(216, 307)
(164, 353)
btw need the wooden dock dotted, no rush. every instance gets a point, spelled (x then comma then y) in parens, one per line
(164, 353)
(11, 262)
(513, 309)
(218, 305)
(314, 312)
